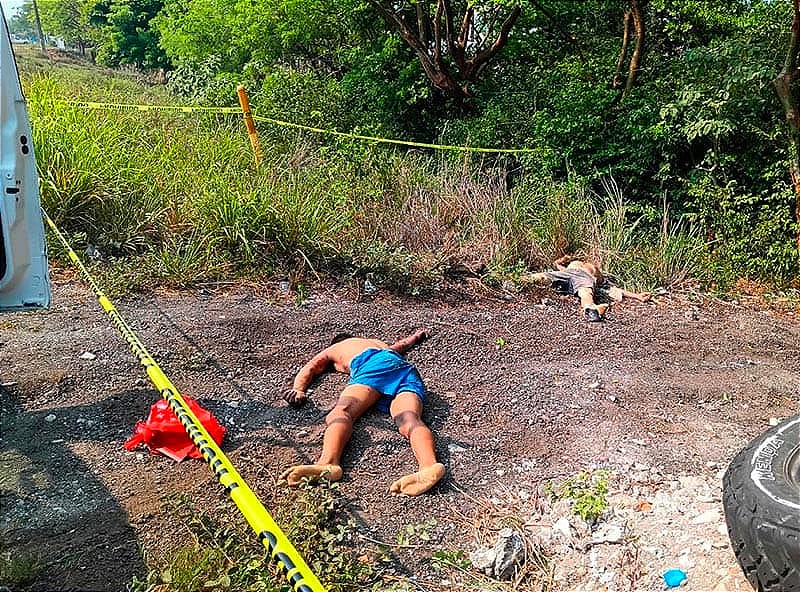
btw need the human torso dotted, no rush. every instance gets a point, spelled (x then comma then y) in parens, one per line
(342, 353)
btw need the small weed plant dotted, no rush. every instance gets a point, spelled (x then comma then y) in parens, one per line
(454, 559)
(416, 534)
(588, 492)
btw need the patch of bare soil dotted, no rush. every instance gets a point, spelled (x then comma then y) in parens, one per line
(521, 393)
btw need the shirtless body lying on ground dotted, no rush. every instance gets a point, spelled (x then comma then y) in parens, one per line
(380, 377)
(583, 279)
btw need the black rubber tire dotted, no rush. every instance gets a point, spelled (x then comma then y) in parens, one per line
(761, 496)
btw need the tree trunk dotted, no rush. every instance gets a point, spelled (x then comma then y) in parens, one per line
(39, 26)
(451, 56)
(616, 82)
(785, 85)
(632, 24)
(638, 48)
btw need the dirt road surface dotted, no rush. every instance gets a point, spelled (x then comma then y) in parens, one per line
(521, 393)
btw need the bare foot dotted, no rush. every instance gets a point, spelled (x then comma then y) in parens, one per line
(418, 482)
(294, 475)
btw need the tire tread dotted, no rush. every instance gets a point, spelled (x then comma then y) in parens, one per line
(761, 540)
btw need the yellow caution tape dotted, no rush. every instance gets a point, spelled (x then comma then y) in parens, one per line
(319, 130)
(134, 107)
(269, 533)
(390, 141)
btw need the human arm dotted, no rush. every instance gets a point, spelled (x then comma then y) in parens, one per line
(317, 365)
(405, 344)
(618, 294)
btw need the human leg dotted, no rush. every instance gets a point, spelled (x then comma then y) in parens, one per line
(352, 404)
(406, 410)
(593, 312)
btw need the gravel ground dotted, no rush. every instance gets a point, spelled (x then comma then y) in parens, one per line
(523, 392)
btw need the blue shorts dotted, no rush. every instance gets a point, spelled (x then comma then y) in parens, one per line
(387, 372)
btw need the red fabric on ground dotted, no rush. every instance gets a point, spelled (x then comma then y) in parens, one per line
(163, 432)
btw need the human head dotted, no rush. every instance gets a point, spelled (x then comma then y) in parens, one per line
(340, 337)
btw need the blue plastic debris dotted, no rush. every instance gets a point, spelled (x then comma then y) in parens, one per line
(674, 577)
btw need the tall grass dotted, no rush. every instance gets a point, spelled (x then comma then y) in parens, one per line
(647, 258)
(181, 195)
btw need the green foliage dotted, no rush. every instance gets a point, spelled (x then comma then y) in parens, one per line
(416, 533)
(551, 219)
(67, 19)
(586, 490)
(455, 559)
(744, 228)
(124, 33)
(301, 96)
(386, 93)
(698, 131)
(179, 193)
(199, 82)
(225, 555)
(644, 258)
(311, 519)
(18, 570)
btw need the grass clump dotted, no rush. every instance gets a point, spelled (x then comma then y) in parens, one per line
(18, 570)
(587, 491)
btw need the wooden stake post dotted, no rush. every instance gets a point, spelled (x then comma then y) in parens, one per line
(248, 121)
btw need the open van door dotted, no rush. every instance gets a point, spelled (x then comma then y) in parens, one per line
(24, 278)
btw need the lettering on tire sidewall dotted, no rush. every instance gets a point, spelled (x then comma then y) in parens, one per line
(768, 469)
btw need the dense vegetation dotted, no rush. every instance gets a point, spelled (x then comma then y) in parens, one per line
(656, 141)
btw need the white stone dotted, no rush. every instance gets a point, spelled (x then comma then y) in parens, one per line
(88, 356)
(707, 517)
(562, 530)
(50, 418)
(608, 533)
(483, 560)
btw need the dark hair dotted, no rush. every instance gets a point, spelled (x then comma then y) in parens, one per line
(340, 337)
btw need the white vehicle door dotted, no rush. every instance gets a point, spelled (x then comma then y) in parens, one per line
(24, 277)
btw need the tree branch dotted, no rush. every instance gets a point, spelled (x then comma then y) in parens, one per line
(616, 81)
(785, 85)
